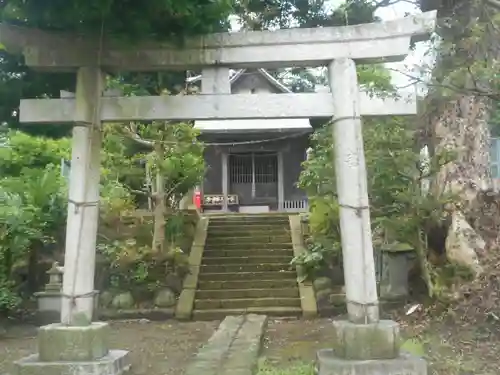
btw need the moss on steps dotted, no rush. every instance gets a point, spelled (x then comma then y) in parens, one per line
(246, 268)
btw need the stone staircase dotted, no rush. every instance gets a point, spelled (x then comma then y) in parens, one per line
(246, 268)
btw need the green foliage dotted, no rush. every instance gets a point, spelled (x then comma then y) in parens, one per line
(131, 265)
(127, 263)
(162, 19)
(414, 346)
(173, 151)
(294, 369)
(398, 207)
(116, 201)
(272, 14)
(323, 251)
(32, 210)
(23, 151)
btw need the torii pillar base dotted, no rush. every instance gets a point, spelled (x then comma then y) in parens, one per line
(69, 350)
(367, 349)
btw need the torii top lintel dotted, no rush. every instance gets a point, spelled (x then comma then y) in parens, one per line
(374, 42)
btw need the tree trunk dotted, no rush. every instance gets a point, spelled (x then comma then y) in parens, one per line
(33, 282)
(458, 119)
(160, 205)
(462, 127)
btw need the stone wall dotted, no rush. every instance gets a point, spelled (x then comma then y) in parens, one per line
(135, 286)
(147, 281)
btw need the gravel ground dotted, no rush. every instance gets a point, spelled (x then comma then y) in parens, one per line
(165, 348)
(155, 348)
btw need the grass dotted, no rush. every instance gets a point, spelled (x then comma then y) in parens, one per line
(299, 368)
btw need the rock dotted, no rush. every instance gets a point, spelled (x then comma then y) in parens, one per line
(106, 299)
(463, 243)
(173, 282)
(323, 297)
(336, 299)
(165, 298)
(123, 301)
(337, 275)
(322, 283)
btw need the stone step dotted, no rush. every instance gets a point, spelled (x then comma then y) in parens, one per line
(258, 239)
(248, 246)
(217, 314)
(247, 260)
(247, 276)
(257, 225)
(248, 222)
(245, 232)
(230, 268)
(243, 303)
(246, 218)
(248, 253)
(247, 293)
(227, 285)
(245, 226)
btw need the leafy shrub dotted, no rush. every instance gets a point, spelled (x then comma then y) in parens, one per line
(398, 208)
(32, 209)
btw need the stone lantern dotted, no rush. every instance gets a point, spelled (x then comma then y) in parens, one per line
(49, 300)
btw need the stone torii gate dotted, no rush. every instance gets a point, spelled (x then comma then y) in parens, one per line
(364, 336)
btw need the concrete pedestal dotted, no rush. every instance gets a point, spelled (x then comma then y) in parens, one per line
(327, 363)
(367, 349)
(68, 350)
(366, 341)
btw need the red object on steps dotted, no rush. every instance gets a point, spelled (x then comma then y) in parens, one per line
(197, 198)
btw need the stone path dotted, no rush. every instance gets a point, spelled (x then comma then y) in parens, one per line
(233, 349)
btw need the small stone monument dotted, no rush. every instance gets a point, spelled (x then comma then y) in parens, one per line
(49, 300)
(394, 282)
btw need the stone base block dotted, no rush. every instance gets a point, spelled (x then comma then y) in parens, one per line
(327, 363)
(116, 362)
(57, 342)
(366, 341)
(46, 317)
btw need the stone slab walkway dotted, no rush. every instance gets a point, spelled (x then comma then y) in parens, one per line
(233, 349)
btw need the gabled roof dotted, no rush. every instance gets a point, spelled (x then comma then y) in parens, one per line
(238, 74)
(248, 126)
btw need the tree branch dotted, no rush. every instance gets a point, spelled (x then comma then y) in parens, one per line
(144, 193)
(131, 131)
(464, 91)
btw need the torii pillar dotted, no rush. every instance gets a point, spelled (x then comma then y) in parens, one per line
(364, 344)
(77, 344)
